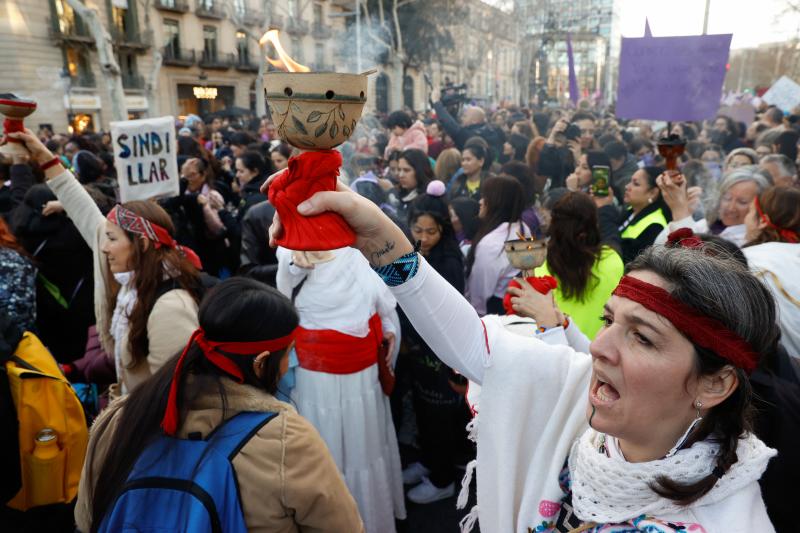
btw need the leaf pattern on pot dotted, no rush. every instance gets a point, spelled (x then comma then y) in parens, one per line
(353, 125)
(346, 131)
(299, 126)
(319, 131)
(341, 112)
(334, 130)
(314, 116)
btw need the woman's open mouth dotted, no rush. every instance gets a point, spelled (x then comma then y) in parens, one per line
(603, 393)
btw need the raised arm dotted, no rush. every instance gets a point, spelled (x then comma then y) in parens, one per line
(79, 206)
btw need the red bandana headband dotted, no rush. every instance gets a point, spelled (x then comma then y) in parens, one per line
(133, 223)
(215, 352)
(702, 330)
(786, 234)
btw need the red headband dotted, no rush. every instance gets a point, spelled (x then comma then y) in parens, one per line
(133, 223)
(702, 330)
(215, 352)
(786, 234)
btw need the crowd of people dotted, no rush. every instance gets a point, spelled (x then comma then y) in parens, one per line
(675, 303)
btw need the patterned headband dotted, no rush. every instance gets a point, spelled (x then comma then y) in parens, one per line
(785, 234)
(133, 223)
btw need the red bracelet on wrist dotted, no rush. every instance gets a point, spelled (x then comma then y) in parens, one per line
(53, 162)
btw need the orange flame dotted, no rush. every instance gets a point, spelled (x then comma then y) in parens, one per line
(284, 61)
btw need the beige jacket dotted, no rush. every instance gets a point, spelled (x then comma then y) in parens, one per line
(174, 315)
(288, 482)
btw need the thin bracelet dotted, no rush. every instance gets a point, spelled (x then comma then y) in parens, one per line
(53, 162)
(564, 324)
(400, 270)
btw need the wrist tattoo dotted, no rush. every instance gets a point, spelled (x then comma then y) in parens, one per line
(375, 257)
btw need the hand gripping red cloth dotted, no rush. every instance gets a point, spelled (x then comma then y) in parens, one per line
(309, 173)
(542, 284)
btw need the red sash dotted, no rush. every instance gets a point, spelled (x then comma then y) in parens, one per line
(333, 352)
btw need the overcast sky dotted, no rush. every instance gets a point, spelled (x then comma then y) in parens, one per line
(751, 21)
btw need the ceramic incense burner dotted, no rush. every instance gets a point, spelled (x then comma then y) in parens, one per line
(14, 110)
(315, 112)
(526, 254)
(671, 148)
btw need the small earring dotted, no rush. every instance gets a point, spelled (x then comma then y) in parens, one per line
(698, 404)
(650, 200)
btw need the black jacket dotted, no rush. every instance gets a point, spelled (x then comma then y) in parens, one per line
(460, 134)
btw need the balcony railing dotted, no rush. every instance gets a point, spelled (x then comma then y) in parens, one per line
(178, 57)
(245, 64)
(216, 61)
(83, 79)
(132, 81)
(128, 38)
(210, 10)
(75, 33)
(175, 6)
(277, 21)
(296, 27)
(251, 17)
(321, 32)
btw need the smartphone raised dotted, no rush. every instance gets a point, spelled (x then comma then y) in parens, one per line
(600, 174)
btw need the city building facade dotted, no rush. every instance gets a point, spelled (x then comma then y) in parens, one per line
(204, 48)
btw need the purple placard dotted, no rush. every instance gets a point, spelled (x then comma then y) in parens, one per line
(671, 78)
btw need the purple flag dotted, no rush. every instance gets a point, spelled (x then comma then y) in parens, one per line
(573, 81)
(671, 78)
(647, 32)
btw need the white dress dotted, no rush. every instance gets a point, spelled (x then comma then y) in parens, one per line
(350, 411)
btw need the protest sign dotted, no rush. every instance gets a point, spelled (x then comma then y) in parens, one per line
(671, 78)
(740, 112)
(784, 94)
(145, 156)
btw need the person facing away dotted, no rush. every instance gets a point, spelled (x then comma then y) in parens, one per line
(284, 475)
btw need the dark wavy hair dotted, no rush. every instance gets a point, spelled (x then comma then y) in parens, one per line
(436, 207)
(149, 265)
(236, 310)
(574, 244)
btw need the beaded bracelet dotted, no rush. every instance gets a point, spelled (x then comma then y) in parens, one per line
(400, 270)
(565, 325)
(53, 162)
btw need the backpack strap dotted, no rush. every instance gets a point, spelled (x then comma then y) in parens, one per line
(232, 435)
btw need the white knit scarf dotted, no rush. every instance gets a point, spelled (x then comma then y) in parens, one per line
(610, 490)
(126, 299)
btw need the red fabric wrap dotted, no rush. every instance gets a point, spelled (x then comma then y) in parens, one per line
(333, 352)
(215, 352)
(542, 284)
(308, 174)
(786, 234)
(13, 125)
(685, 238)
(702, 330)
(133, 223)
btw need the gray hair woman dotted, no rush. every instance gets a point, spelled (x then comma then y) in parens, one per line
(653, 423)
(726, 217)
(738, 158)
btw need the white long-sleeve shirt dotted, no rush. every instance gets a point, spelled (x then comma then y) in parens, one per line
(533, 405)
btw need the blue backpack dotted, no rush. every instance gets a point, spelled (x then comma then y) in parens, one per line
(185, 484)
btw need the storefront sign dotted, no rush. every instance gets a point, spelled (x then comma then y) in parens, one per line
(145, 156)
(135, 102)
(82, 101)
